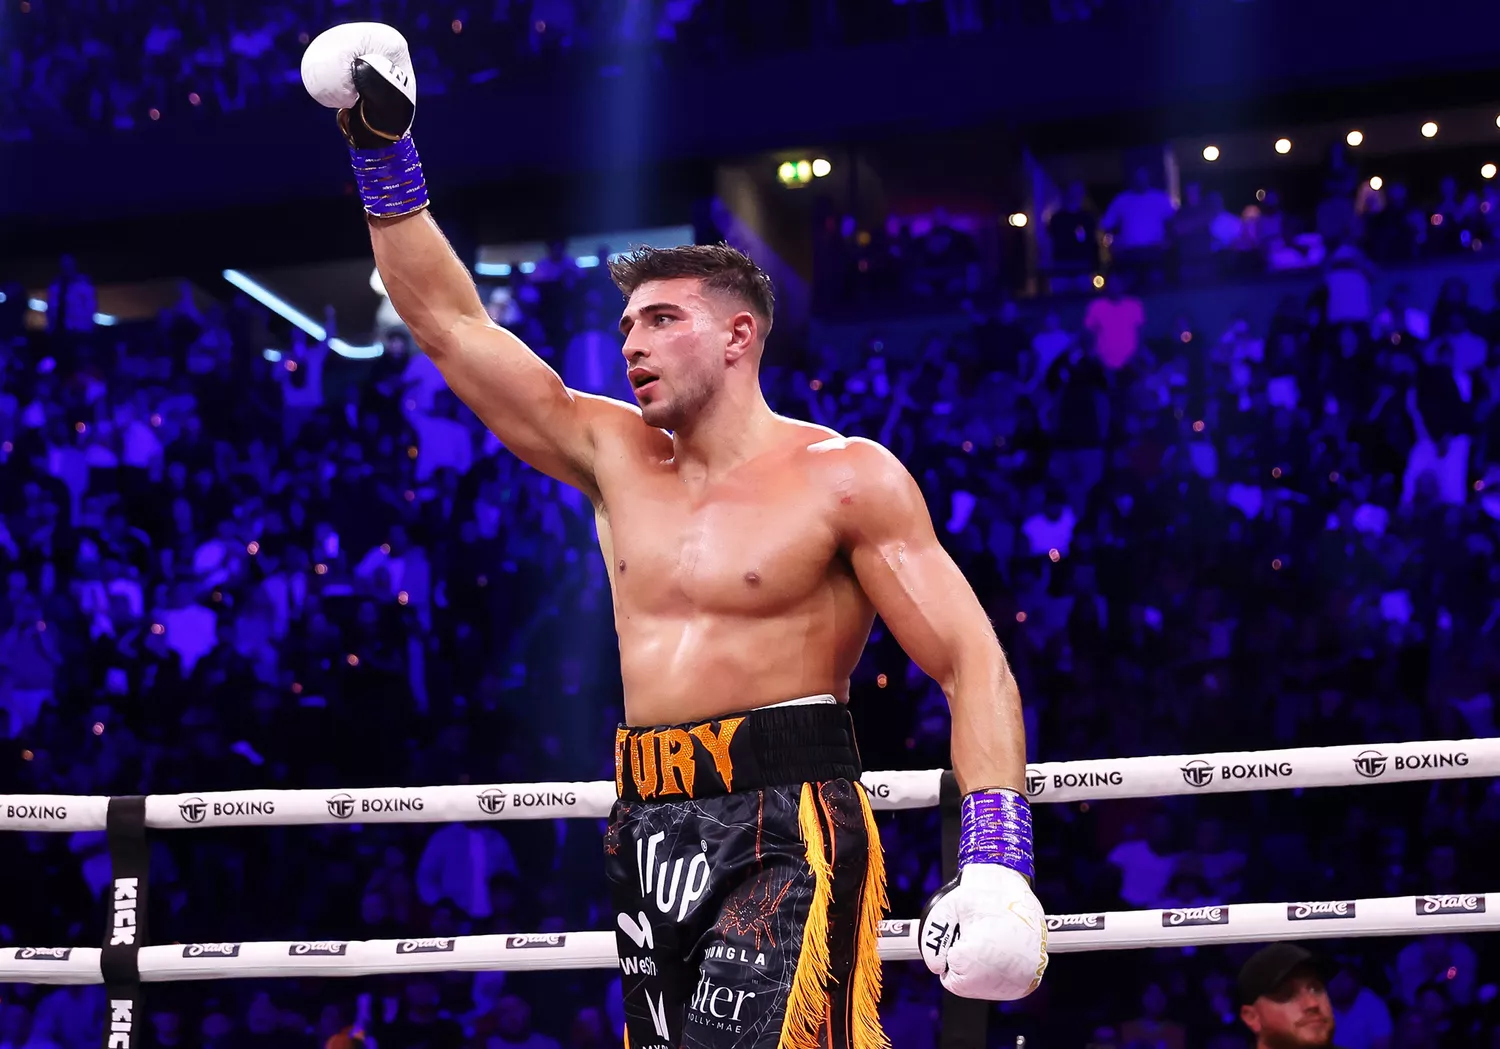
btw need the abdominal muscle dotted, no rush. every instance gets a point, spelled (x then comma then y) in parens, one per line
(693, 667)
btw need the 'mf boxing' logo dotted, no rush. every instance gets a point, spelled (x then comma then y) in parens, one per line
(661, 762)
(195, 810)
(342, 806)
(1198, 773)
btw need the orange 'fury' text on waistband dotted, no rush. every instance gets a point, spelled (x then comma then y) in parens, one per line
(664, 763)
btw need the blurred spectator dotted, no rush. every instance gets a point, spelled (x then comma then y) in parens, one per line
(71, 300)
(592, 360)
(509, 1027)
(1221, 866)
(1440, 958)
(1114, 321)
(588, 1031)
(1137, 221)
(1048, 344)
(1192, 233)
(416, 1020)
(1348, 281)
(1401, 318)
(1397, 228)
(16, 1032)
(458, 865)
(1153, 1027)
(1146, 863)
(166, 1028)
(1441, 460)
(1073, 235)
(1361, 1017)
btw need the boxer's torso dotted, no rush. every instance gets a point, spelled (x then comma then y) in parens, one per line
(730, 591)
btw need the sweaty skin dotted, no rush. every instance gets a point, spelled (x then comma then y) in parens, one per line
(748, 554)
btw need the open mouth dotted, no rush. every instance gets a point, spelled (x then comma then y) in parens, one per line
(641, 380)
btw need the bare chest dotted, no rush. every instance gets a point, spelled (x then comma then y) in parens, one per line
(745, 548)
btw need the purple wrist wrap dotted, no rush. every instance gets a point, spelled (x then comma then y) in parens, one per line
(996, 828)
(390, 179)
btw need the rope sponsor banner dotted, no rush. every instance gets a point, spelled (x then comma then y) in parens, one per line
(439, 804)
(1256, 922)
(890, 791)
(898, 941)
(52, 812)
(1347, 766)
(1062, 781)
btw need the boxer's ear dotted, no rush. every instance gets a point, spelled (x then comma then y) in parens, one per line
(744, 336)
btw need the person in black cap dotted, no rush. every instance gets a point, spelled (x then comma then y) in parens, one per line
(1283, 999)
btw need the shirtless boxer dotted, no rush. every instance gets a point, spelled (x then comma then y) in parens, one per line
(748, 555)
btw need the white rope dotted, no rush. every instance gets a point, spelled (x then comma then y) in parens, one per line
(1058, 781)
(1111, 930)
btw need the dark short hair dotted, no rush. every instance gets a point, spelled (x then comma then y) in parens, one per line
(720, 268)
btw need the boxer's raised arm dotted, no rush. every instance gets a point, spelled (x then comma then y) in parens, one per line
(363, 70)
(934, 615)
(512, 390)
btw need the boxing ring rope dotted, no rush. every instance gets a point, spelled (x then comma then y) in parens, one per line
(125, 961)
(1059, 781)
(1110, 930)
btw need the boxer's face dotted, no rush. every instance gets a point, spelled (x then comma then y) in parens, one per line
(1297, 1014)
(678, 342)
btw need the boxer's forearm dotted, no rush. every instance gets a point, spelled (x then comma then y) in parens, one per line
(428, 285)
(989, 733)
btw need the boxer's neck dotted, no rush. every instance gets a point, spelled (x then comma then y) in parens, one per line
(735, 426)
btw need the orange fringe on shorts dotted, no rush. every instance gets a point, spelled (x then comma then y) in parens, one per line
(873, 903)
(808, 1001)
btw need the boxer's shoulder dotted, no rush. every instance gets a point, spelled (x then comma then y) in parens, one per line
(856, 464)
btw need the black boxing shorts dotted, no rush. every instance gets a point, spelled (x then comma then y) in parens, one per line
(748, 882)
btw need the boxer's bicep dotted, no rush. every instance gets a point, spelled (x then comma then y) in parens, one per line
(524, 402)
(914, 586)
(513, 391)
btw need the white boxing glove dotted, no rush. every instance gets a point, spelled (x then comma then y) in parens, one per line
(363, 70)
(985, 935)
(328, 62)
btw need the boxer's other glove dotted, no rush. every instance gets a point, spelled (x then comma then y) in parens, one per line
(363, 69)
(984, 933)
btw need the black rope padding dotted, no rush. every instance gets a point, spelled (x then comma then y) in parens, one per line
(965, 1021)
(125, 920)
